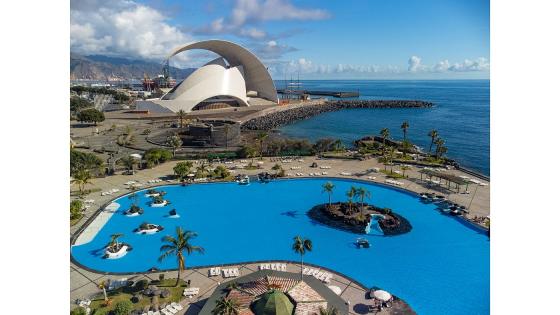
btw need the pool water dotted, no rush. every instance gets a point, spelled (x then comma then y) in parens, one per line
(440, 267)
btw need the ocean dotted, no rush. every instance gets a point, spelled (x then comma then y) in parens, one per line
(461, 115)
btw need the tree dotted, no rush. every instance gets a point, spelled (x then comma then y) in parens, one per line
(404, 128)
(404, 168)
(384, 134)
(182, 169)
(277, 168)
(433, 134)
(181, 114)
(156, 156)
(328, 187)
(351, 194)
(260, 139)
(362, 193)
(226, 306)
(248, 152)
(78, 103)
(90, 115)
(103, 286)
(76, 207)
(301, 246)
(329, 311)
(176, 246)
(114, 242)
(81, 178)
(439, 144)
(221, 172)
(128, 162)
(123, 307)
(175, 142)
(83, 161)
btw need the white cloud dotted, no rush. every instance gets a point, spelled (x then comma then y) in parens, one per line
(415, 64)
(480, 64)
(247, 13)
(123, 28)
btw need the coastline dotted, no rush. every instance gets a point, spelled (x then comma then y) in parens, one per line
(288, 115)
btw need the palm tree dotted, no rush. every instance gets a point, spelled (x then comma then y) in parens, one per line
(404, 128)
(362, 193)
(433, 134)
(128, 162)
(181, 114)
(226, 306)
(81, 178)
(328, 187)
(439, 143)
(329, 311)
(384, 134)
(441, 151)
(390, 157)
(260, 138)
(114, 242)
(351, 194)
(176, 247)
(404, 168)
(301, 246)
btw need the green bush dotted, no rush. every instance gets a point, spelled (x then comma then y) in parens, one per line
(91, 115)
(75, 208)
(221, 172)
(156, 156)
(78, 311)
(83, 161)
(100, 311)
(78, 103)
(123, 308)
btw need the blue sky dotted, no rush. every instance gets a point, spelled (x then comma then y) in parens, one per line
(352, 39)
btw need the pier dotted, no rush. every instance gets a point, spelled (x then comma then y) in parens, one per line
(339, 94)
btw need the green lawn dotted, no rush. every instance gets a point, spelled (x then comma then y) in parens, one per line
(98, 304)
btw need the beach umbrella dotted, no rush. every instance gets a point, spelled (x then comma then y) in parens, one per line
(190, 175)
(335, 289)
(382, 295)
(136, 156)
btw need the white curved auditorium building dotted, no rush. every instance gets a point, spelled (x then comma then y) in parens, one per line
(237, 78)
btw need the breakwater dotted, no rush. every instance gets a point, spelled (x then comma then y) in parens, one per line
(283, 117)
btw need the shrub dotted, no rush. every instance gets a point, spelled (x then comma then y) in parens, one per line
(75, 208)
(156, 156)
(82, 160)
(123, 308)
(100, 311)
(78, 311)
(142, 284)
(221, 172)
(78, 103)
(90, 115)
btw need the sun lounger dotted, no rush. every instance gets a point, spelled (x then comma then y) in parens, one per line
(267, 266)
(305, 270)
(236, 272)
(176, 306)
(283, 267)
(166, 312)
(171, 309)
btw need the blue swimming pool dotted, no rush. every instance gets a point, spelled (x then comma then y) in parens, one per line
(441, 267)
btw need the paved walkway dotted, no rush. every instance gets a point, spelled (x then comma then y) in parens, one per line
(83, 284)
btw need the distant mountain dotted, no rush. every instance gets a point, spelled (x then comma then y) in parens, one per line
(98, 67)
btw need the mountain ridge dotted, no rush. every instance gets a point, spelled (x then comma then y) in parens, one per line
(101, 67)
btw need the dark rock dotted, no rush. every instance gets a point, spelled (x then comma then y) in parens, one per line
(280, 118)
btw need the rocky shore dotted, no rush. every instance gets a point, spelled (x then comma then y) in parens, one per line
(280, 118)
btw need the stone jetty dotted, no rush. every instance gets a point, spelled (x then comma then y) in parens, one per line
(283, 117)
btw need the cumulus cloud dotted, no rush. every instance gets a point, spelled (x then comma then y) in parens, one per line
(247, 14)
(479, 64)
(415, 64)
(122, 28)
